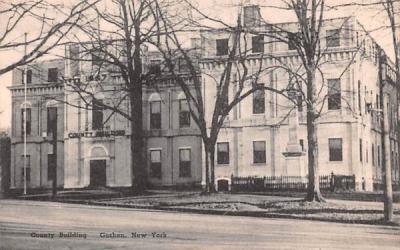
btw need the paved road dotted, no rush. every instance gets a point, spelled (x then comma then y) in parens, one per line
(22, 222)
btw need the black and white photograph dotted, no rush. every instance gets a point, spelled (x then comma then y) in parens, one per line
(199, 124)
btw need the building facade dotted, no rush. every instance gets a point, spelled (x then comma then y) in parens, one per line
(263, 135)
(44, 118)
(93, 142)
(267, 136)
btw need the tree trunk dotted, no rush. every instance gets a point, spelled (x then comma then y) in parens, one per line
(385, 145)
(207, 159)
(137, 144)
(212, 169)
(313, 192)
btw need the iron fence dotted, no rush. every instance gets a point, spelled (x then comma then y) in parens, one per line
(330, 182)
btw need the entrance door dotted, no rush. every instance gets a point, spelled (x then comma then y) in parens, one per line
(98, 173)
(223, 185)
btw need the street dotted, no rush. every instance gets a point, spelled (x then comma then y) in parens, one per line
(38, 225)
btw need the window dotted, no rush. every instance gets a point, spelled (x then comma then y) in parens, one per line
(366, 152)
(52, 75)
(222, 47)
(373, 155)
(28, 168)
(28, 121)
(300, 102)
(292, 40)
(97, 59)
(51, 166)
(184, 114)
(22, 76)
(97, 115)
(155, 69)
(155, 115)
(223, 153)
(259, 152)
(333, 38)
(155, 164)
(359, 96)
(335, 149)
(257, 43)
(29, 76)
(334, 94)
(183, 65)
(184, 163)
(361, 151)
(365, 100)
(301, 142)
(259, 101)
(51, 120)
(379, 156)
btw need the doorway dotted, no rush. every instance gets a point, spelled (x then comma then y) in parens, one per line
(98, 173)
(223, 185)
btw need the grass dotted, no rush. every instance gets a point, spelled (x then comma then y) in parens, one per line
(260, 206)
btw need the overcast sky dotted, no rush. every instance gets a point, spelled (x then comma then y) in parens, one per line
(227, 10)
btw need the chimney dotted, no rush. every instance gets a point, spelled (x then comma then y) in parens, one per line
(251, 15)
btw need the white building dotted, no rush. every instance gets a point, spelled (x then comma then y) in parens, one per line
(255, 138)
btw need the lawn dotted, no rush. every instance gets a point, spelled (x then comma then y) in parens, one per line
(260, 206)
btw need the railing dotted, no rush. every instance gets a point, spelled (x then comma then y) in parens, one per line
(291, 183)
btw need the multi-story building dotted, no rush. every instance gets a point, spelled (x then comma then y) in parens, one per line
(93, 142)
(44, 118)
(97, 140)
(265, 135)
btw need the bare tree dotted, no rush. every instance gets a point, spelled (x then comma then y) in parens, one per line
(116, 39)
(235, 83)
(51, 29)
(306, 42)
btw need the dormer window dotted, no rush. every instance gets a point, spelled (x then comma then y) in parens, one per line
(52, 75)
(222, 47)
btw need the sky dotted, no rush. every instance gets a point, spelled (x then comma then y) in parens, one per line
(226, 10)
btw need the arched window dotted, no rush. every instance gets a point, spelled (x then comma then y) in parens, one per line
(155, 111)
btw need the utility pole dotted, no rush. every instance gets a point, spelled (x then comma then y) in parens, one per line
(54, 142)
(25, 77)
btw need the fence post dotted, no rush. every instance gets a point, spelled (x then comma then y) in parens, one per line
(332, 182)
(232, 186)
(264, 183)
